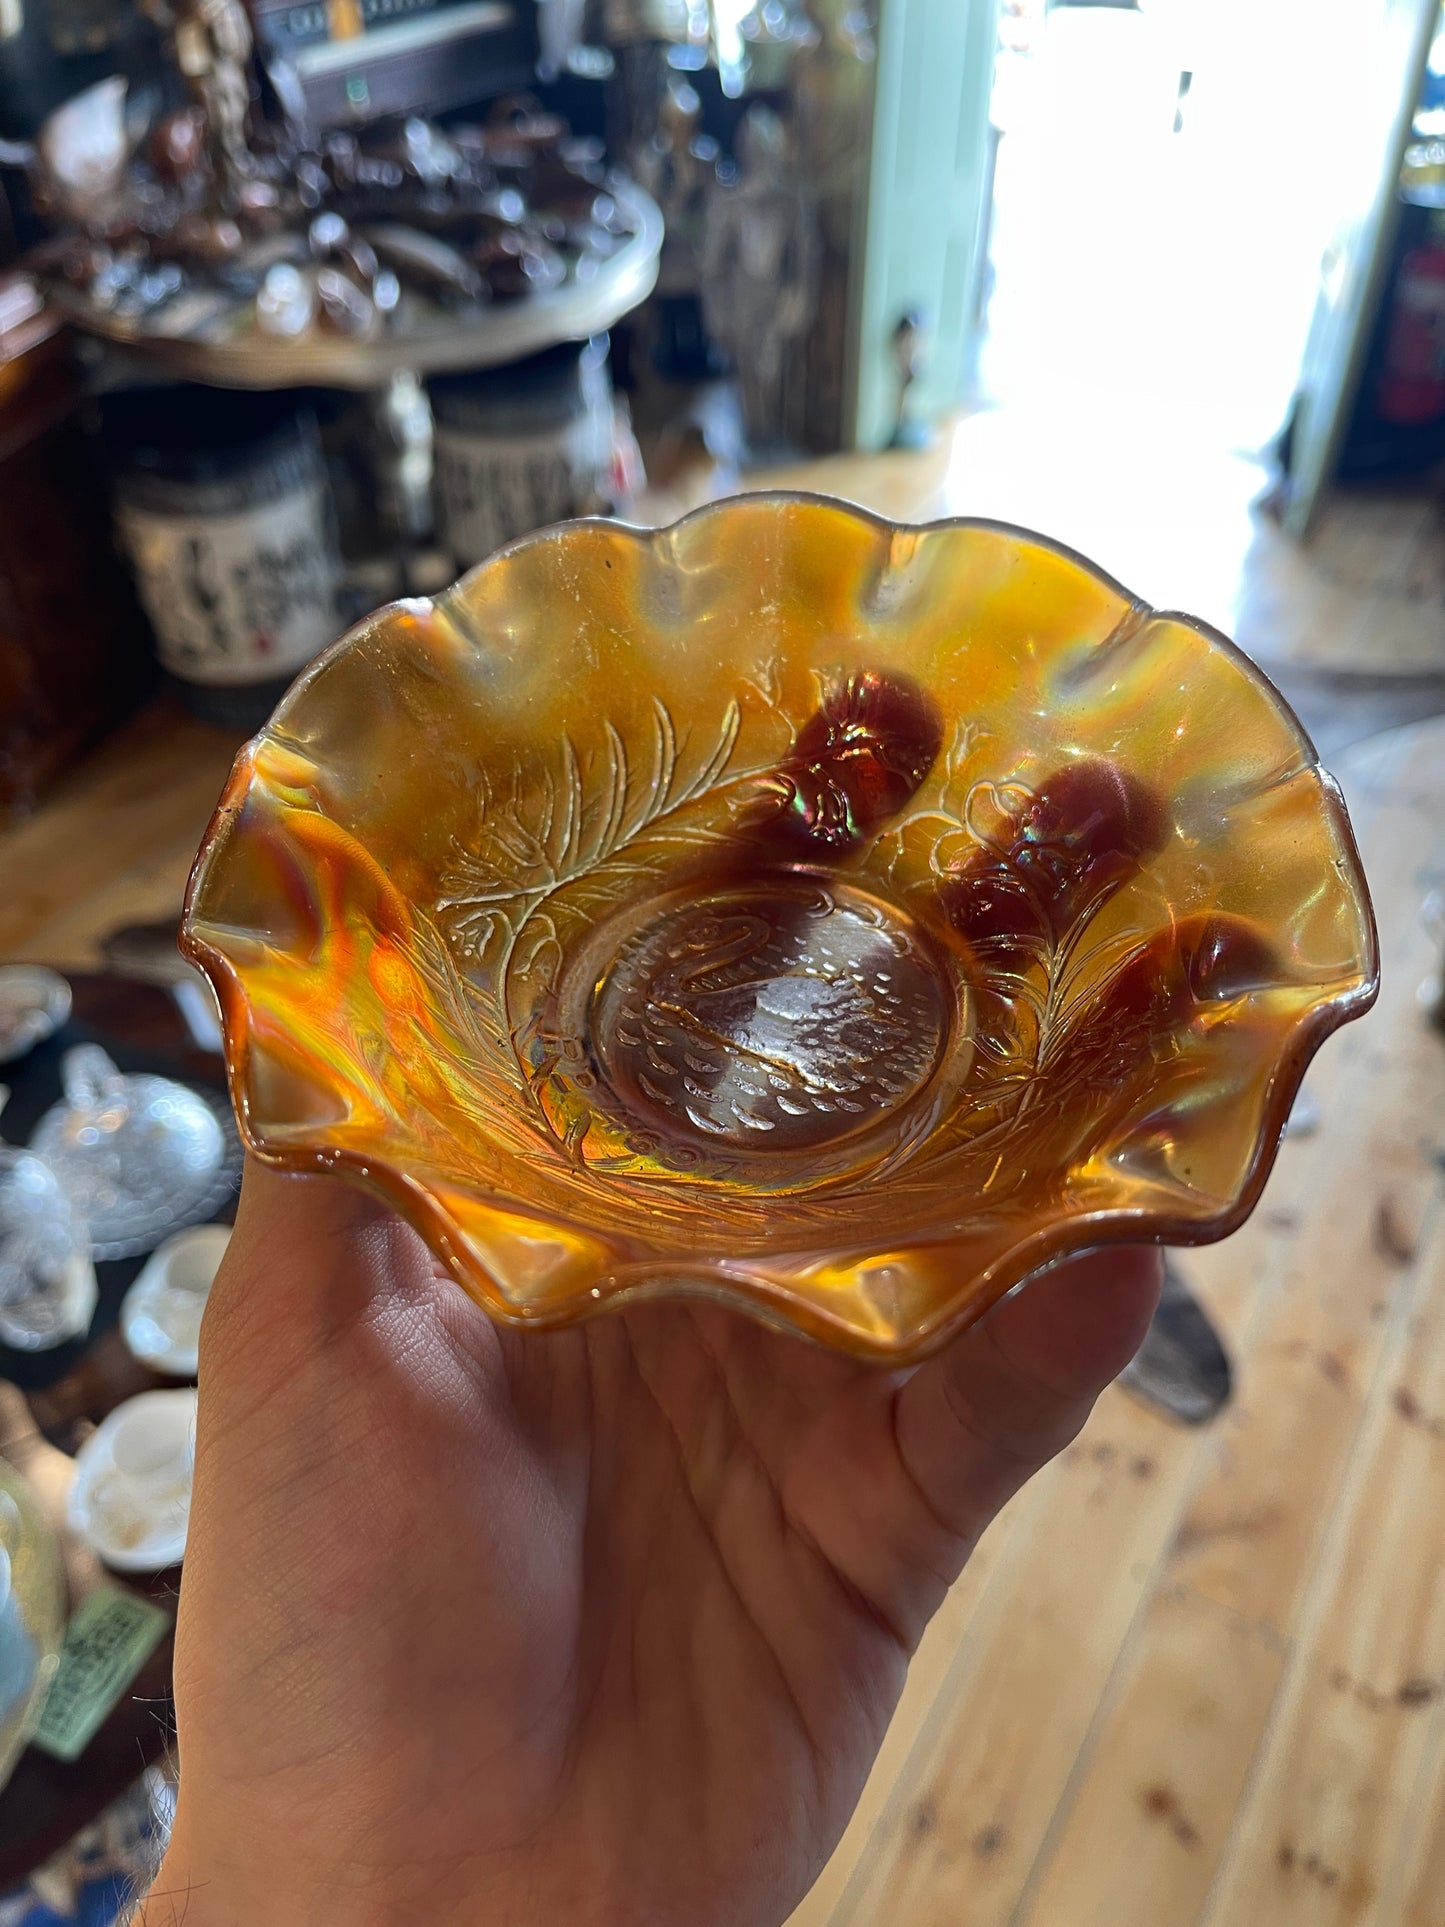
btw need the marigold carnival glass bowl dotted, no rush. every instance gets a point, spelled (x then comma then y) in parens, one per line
(828, 918)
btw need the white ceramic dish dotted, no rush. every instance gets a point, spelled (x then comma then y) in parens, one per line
(160, 1317)
(131, 1499)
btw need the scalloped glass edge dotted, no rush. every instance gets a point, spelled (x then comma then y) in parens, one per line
(746, 1289)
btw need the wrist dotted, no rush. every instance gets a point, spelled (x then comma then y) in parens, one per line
(176, 1899)
(188, 1891)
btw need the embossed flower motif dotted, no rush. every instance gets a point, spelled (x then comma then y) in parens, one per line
(834, 919)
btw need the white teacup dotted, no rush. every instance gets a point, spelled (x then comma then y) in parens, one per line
(161, 1315)
(131, 1498)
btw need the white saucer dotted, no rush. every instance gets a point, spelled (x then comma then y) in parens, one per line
(131, 1499)
(160, 1316)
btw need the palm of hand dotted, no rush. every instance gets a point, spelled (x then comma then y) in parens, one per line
(601, 1626)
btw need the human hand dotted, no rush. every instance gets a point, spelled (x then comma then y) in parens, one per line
(594, 1628)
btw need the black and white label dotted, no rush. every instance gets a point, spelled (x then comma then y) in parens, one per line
(240, 598)
(493, 488)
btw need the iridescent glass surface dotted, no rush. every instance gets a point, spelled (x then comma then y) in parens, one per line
(834, 918)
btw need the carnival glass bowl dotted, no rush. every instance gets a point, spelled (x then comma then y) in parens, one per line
(828, 918)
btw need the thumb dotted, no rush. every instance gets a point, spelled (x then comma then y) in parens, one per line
(310, 1258)
(987, 1413)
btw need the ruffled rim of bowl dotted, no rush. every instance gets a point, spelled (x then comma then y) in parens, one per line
(742, 1287)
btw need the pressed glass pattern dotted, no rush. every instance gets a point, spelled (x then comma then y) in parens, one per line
(837, 919)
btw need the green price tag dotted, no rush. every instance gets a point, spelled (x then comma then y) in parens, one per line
(109, 1638)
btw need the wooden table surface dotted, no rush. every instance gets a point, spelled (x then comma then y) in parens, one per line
(1191, 1679)
(115, 842)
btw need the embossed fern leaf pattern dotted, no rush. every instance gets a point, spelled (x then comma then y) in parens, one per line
(1040, 984)
(553, 828)
(560, 841)
(1062, 1005)
(469, 1050)
(578, 834)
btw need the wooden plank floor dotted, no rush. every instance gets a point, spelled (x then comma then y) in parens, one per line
(1201, 1679)
(1175, 522)
(1191, 1679)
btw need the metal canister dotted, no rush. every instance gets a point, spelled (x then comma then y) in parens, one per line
(521, 446)
(223, 505)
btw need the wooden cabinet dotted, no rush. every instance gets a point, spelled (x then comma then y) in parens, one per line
(73, 650)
